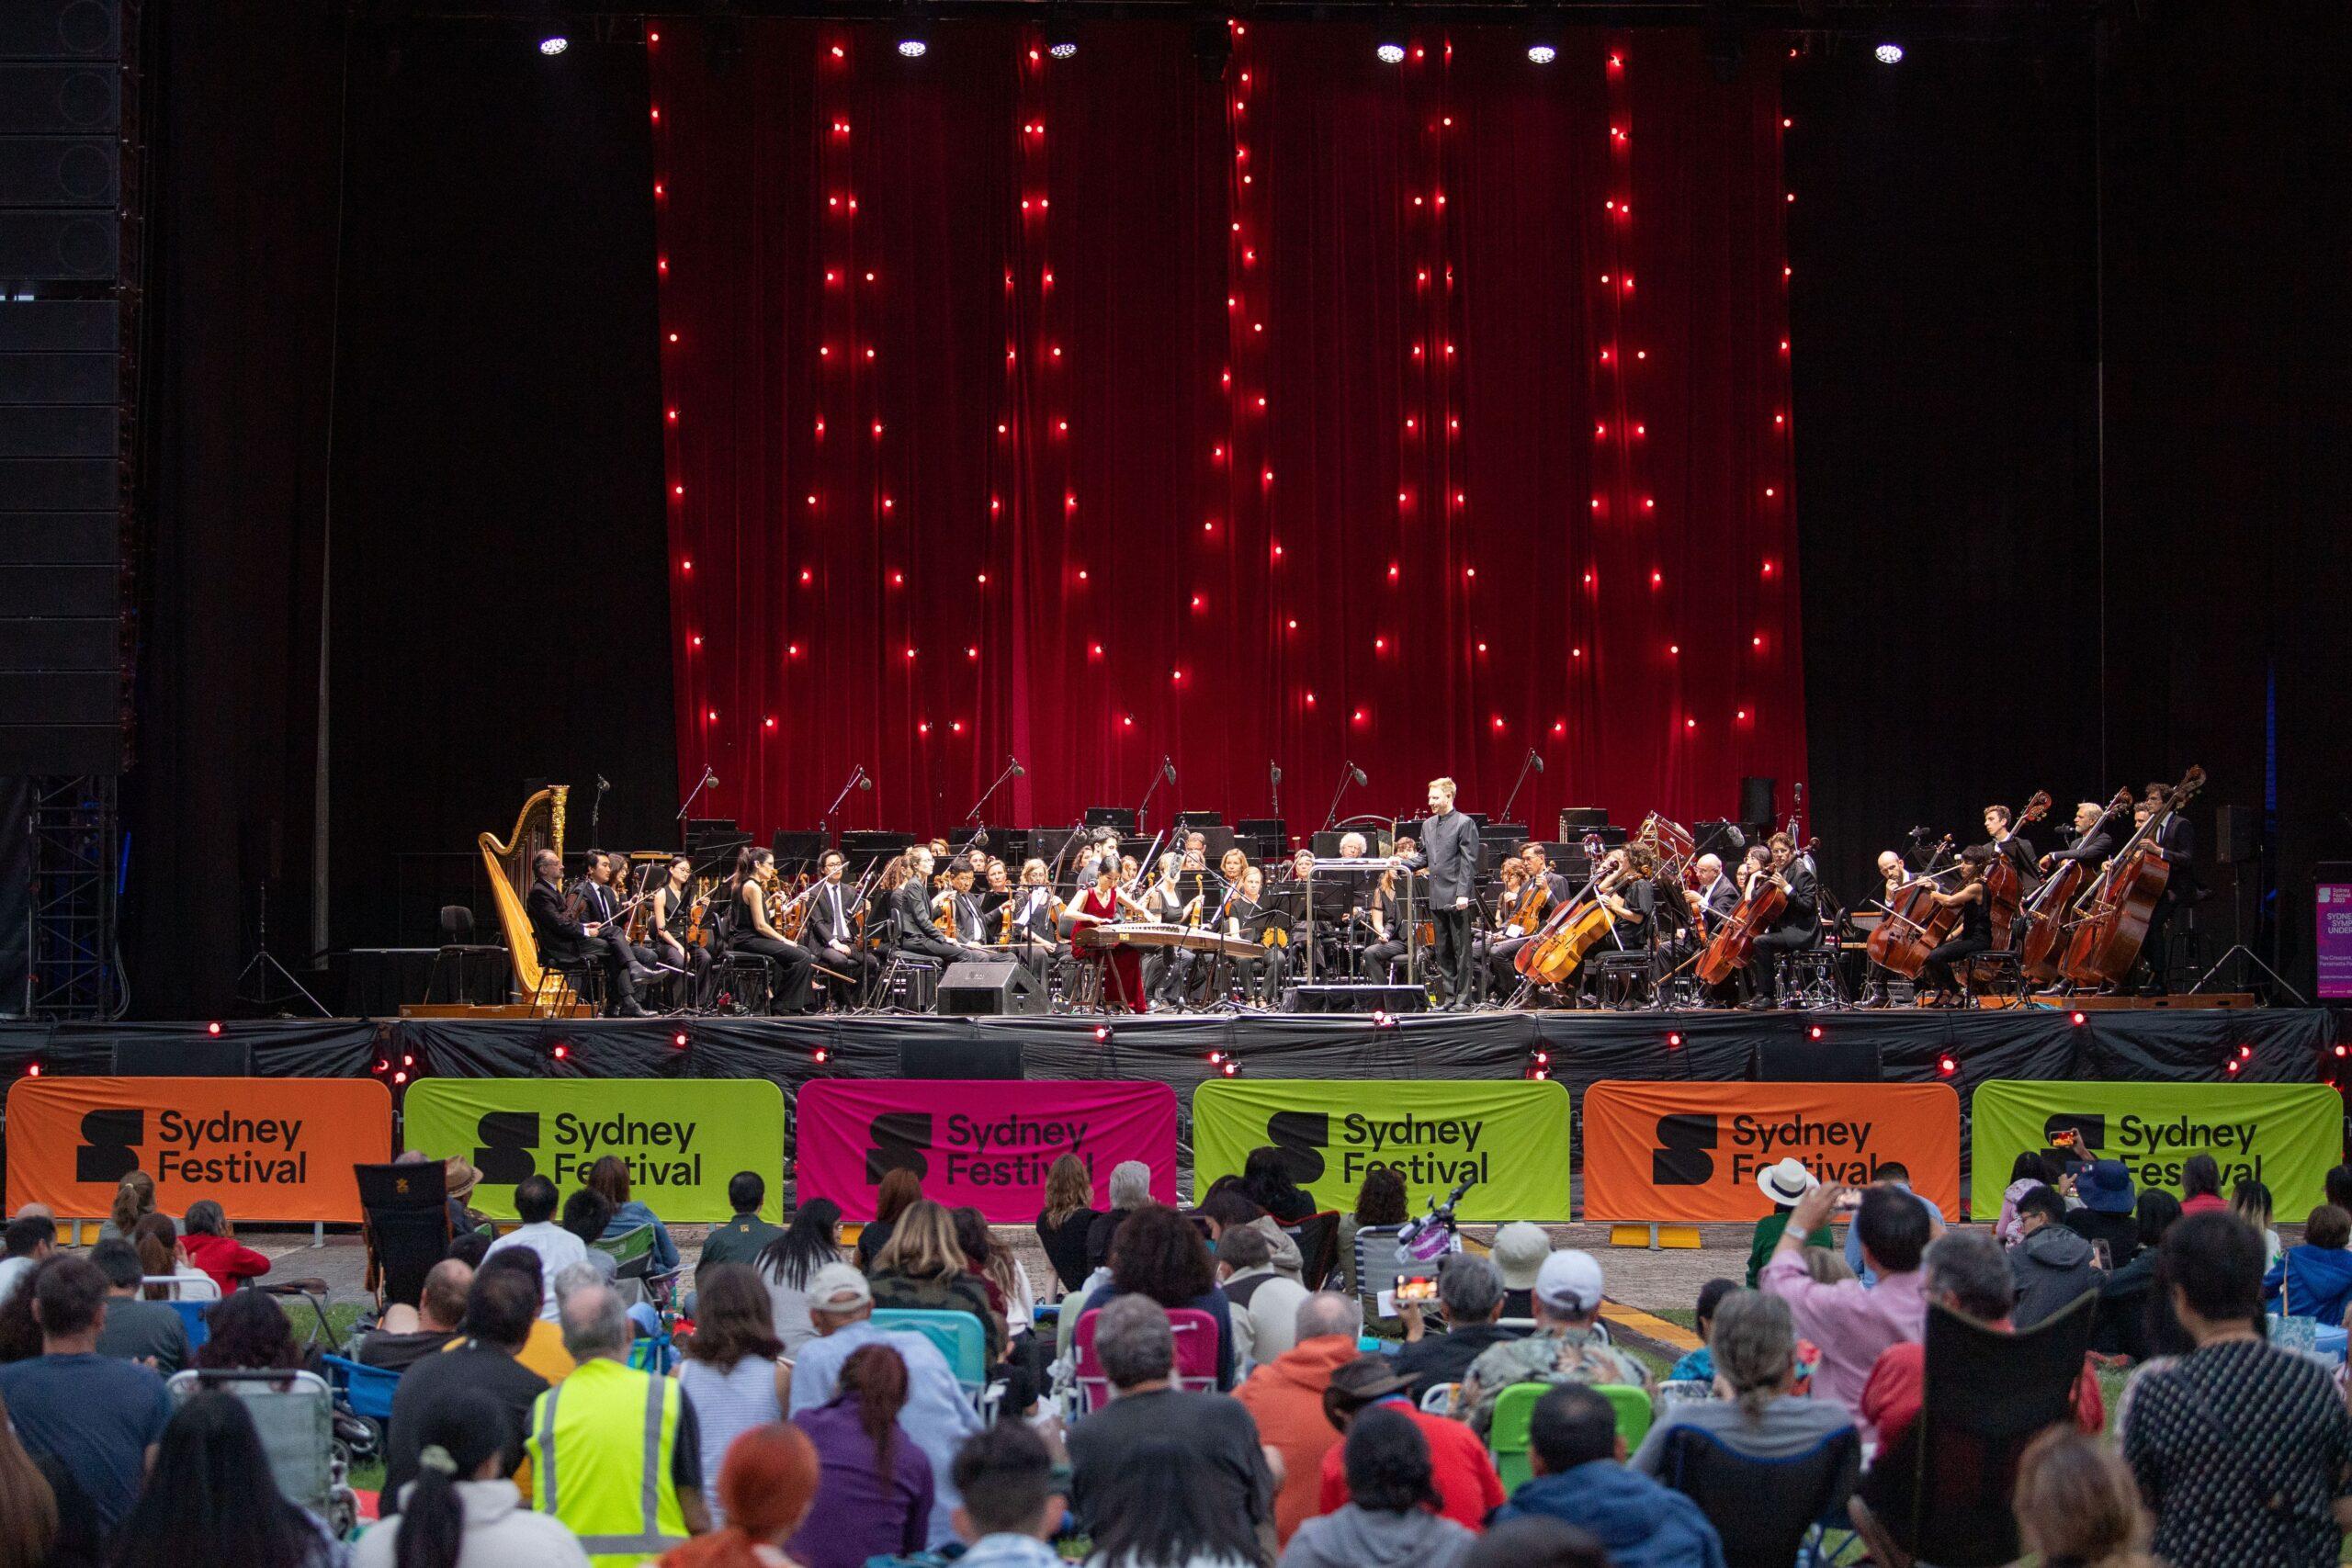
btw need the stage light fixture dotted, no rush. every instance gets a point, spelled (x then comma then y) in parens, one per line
(1390, 52)
(1061, 36)
(1814, 1033)
(913, 48)
(2230, 1066)
(213, 1029)
(1063, 50)
(32, 1069)
(678, 1040)
(2077, 1021)
(1889, 53)
(554, 44)
(1674, 1040)
(400, 1078)
(1231, 1069)
(1102, 1035)
(820, 1056)
(1946, 1066)
(1543, 53)
(562, 1052)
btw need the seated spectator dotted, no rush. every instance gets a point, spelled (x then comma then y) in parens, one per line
(2339, 1183)
(2314, 1279)
(1266, 1181)
(1160, 1254)
(1469, 1300)
(502, 1306)
(587, 1214)
(1894, 1174)
(2031, 1168)
(900, 1190)
(1284, 1396)
(2051, 1262)
(608, 1178)
(589, 1441)
(731, 1373)
(1535, 1540)
(1853, 1325)
(471, 1248)
(2156, 1213)
(1461, 1470)
(2240, 1448)
(744, 1236)
(2200, 1185)
(543, 1351)
(789, 1261)
(1163, 1474)
(1967, 1273)
(874, 1495)
(210, 1501)
(936, 1415)
(1063, 1223)
(1130, 1191)
(440, 1312)
(1011, 1296)
(1226, 1207)
(2250, 1200)
(924, 1268)
(1391, 1515)
(164, 1256)
(769, 1482)
(29, 1525)
(1783, 1182)
(2076, 1502)
(1012, 1504)
(1577, 1460)
(1757, 1415)
(2105, 1187)
(134, 1197)
(534, 1205)
(1379, 1202)
(1263, 1304)
(1699, 1366)
(29, 1240)
(136, 1330)
(462, 1511)
(1566, 1346)
(98, 1418)
(248, 1331)
(1519, 1252)
(212, 1245)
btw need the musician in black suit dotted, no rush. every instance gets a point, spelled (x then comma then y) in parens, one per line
(1449, 853)
(568, 937)
(832, 932)
(2003, 841)
(910, 922)
(1799, 926)
(2175, 840)
(1503, 951)
(2089, 842)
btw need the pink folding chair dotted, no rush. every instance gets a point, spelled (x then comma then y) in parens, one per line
(1196, 1357)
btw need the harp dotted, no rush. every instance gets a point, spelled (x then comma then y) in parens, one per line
(539, 827)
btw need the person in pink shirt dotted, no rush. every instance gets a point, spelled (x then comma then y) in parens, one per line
(1852, 1324)
(2200, 1187)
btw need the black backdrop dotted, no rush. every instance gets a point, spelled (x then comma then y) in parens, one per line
(492, 568)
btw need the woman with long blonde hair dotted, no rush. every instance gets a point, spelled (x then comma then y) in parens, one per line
(924, 1268)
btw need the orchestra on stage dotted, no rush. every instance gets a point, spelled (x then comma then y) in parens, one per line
(1447, 912)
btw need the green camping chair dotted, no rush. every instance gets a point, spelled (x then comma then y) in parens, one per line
(1515, 1410)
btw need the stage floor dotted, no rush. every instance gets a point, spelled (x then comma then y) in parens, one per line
(2268, 1045)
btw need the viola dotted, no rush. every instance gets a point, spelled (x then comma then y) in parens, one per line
(2041, 958)
(2108, 941)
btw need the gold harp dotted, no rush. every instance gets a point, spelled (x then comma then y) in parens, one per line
(539, 827)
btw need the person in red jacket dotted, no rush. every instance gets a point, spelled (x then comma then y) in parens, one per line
(1460, 1467)
(211, 1247)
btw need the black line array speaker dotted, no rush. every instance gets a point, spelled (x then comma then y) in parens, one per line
(1781, 1059)
(959, 1057)
(990, 987)
(2234, 834)
(182, 1058)
(1357, 999)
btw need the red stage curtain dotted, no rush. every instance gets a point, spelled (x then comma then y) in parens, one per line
(1095, 410)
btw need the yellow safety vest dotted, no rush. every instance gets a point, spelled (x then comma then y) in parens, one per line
(601, 1447)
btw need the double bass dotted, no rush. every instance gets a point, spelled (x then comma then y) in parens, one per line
(2107, 941)
(2041, 956)
(1914, 923)
(2003, 888)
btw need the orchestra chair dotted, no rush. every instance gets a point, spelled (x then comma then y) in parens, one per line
(563, 979)
(1617, 976)
(457, 946)
(735, 970)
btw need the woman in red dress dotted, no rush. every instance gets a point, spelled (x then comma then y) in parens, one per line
(1100, 905)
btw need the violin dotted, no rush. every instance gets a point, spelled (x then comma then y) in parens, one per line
(698, 914)
(639, 912)
(2107, 941)
(794, 918)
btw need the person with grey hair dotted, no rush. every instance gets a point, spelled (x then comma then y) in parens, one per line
(1130, 1191)
(597, 1437)
(1568, 1345)
(1263, 1301)
(1148, 1410)
(1966, 1272)
(1755, 1412)
(1285, 1396)
(574, 1277)
(1470, 1301)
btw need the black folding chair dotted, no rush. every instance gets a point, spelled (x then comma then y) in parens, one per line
(405, 1215)
(1763, 1509)
(1317, 1236)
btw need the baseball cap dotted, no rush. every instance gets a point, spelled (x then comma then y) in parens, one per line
(1519, 1252)
(1569, 1281)
(837, 1287)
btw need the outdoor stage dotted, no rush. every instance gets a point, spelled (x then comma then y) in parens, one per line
(2268, 1045)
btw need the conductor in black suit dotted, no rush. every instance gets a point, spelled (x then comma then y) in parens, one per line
(563, 939)
(1449, 853)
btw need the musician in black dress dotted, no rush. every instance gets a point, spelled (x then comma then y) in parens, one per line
(910, 912)
(1246, 916)
(1799, 926)
(1383, 918)
(671, 920)
(566, 936)
(1941, 970)
(832, 932)
(749, 929)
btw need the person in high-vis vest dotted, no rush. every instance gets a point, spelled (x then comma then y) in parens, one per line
(614, 1453)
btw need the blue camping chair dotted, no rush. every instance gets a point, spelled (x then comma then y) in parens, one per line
(363, 1389)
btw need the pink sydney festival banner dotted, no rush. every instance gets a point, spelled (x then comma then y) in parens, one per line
(986, 1143)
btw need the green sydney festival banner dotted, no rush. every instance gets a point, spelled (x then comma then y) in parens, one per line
(1509, 1139)
(2285, 1135)
(683, 1138)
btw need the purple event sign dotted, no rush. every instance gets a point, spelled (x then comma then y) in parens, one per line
(2334, 940)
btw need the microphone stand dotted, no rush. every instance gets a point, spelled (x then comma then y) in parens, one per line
(707, 777)
(1158, 776)
(1011, 768)
(1274, 783)
(1331, 818)
(1533, 761)
(856, 776)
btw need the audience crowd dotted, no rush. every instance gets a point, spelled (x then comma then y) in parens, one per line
(1190, 1390)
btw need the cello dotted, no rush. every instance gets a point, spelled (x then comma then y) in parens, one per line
(2107, 941)
(1575, 929)
(1726, 952)
(2003, 888)
(2041, 958)
(1915, 923)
